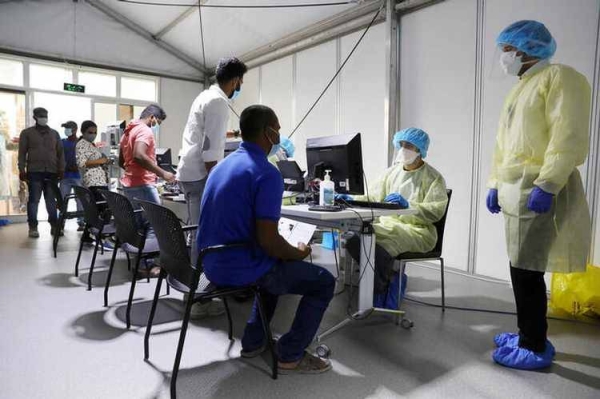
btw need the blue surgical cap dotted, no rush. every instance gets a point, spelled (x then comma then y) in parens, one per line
(416, 137)
(530, 37)
(287, 146)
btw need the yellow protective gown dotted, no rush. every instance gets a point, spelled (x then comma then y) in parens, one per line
(542, 138)
(425, 190)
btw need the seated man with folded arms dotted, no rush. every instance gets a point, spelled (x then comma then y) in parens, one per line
(242, 204)
(410, 182)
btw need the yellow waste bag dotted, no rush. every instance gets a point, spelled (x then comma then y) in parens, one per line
(577, 293)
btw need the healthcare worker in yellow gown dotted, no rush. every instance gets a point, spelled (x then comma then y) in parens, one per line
(413, 183)
(542, 138)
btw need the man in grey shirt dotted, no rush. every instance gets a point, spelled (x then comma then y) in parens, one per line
(41, 164)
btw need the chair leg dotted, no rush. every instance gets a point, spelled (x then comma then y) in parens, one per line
(110, 270)
(59, 223)
(184, 326)
(443, 285)
(85, 232)
(268, 334)
(230, 330)
(92, 265)
(402, 269)
(128, 261)
(132, 289)
(151, 318)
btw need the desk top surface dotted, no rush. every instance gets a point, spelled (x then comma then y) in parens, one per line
(302, 211)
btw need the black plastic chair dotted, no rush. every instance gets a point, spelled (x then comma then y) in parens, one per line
(181, 275)
(434, 254)
(97, 224)
(62, 204)
(130, 238)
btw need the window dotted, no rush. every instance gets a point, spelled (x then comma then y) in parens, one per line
(12, 121)
(98, 84)
(49, 78)
(138, 89)
(11, 72)
(62, 108)
(104, 115)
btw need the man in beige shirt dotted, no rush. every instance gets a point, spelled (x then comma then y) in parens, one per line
(41, 164)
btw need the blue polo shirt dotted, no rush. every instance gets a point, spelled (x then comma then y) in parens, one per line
(242, 188)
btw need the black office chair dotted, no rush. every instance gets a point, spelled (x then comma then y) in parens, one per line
(131, 238)
(181, 275)
(62, 204)
(434, 254)
(97, 224)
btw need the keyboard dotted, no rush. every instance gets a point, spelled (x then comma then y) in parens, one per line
(371, 205)
(325, 208)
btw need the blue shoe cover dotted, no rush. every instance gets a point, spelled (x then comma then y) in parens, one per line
(511, 340)
(523, 359)
(504, 339)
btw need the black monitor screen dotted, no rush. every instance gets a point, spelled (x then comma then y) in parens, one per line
(163, 158)
(342, 154)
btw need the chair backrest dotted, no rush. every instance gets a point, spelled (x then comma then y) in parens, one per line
(60, 201)
(90, 209)
(174, 256)
(128, 230)
(440, 226)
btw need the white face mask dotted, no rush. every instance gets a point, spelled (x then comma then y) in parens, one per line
(68, 132)
(511, 63)
(42, 121)
(406, 157)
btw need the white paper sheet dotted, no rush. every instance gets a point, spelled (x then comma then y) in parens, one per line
(295, 232)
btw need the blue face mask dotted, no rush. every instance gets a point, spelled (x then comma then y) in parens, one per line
(156, 129)
(236, 94)
(274, 147)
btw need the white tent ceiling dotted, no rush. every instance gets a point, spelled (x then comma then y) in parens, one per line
(104, 35)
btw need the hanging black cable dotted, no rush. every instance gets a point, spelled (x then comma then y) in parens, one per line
(202, 35)
(304, 5)
(339, 70)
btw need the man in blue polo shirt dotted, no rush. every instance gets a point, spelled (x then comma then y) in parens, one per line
(72, 177)
(242, 203)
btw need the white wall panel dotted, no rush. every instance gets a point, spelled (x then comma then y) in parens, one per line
(362, 97)
(176, 97)
(276, 91)
(314, 68)
(248, 96)
(573, 25)
(437, 94)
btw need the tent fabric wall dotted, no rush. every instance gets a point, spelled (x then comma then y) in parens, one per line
(176, 98)
(46, 28)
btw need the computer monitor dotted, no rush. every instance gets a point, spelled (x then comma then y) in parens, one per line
(293, 177)
(163, 159)
(231, 146)
(342, 154)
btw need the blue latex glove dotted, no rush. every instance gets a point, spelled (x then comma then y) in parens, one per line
(539, 201)
(343, 197)
(492, 201)
(287, 146)
(396, 198)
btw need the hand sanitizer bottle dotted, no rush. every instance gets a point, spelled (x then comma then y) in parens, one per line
(326, 190)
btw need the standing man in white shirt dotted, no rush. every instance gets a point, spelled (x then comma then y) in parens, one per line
(203, 142)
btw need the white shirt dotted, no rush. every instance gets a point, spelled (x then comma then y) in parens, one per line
(204, 134)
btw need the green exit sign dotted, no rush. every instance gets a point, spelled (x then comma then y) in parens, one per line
(74, 88)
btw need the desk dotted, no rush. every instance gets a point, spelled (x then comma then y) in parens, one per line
(358, 220)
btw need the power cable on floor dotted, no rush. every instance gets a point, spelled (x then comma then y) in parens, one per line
(503, 312)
